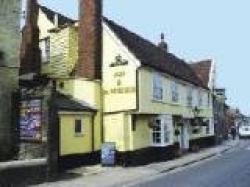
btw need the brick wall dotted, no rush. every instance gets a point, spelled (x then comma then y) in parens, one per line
(90, 39)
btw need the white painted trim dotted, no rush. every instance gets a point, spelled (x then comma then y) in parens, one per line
(75, 113)
(212, 76)
(164, 120)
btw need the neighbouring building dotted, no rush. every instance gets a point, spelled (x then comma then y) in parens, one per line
(10, 11)
(109, 84)
(219, 101)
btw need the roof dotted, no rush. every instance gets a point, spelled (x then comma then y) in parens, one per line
(202, 69)
(67, 103)
(153, 56)
(62, 20)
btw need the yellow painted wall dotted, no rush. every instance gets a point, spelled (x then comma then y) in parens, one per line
(119, 82)
(63, 52)
(141, 137)
(59, 52)
(73, 47)
(89, 91)
(44, 24)
(68, 86)
(117, 129)
(148, 105)
(70, 143)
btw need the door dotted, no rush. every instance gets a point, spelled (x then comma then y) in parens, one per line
(184, 137)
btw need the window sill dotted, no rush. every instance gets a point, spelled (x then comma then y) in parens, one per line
(157, 101)
(175, 103)
(78, 135)
(161, 145)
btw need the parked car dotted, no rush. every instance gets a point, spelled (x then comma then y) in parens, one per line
(244, 131)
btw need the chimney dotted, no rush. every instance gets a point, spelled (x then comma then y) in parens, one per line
(30, 55)
(163, 45)
(90, 40)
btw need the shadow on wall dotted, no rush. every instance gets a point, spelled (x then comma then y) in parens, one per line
(1, 57)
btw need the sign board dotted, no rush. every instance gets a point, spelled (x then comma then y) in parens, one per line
(108, 154)
(30, 120)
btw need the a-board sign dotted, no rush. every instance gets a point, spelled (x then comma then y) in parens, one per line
(108, 154)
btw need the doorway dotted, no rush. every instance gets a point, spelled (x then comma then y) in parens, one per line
(184, 137)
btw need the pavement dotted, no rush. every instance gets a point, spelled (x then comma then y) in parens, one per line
(22, 163)
(97, 175)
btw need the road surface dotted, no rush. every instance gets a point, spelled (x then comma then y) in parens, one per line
(231, 169)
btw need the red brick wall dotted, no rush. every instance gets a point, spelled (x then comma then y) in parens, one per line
(90, 39)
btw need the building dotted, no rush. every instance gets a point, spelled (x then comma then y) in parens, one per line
(157, 99)
(130, 92)
(9, 67)
(219, 101)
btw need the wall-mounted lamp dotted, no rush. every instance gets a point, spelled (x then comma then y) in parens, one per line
(196, 111)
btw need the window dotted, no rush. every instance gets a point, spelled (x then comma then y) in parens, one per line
(200, 99)
(161, 132)
(190, 97)
(45, 49)
(208, 127)
(78, 126)
(175, 92)
(208, 100)
(157, 132)
(157, 87)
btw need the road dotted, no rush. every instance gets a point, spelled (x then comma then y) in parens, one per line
(231, 169)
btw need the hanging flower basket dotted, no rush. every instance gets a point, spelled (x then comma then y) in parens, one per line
(151, 123)
(177, 132)
(196, 131)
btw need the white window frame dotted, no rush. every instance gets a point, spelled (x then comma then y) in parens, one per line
(175, 92)
(165, 131)
(45, 50)
(200, 98)
(190, 99)
(157, 87)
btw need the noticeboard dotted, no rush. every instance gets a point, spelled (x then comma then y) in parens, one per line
(30, 120)
(108, 154)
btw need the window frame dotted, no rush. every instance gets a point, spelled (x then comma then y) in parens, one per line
(164, 132)
(157, 87)
(45, 53)
(190, 100)
(200, 98)
(76, 132)
(175, 97)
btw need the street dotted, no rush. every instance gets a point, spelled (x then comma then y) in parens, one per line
(230, 169)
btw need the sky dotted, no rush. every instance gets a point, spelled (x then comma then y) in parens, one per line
(194, 29)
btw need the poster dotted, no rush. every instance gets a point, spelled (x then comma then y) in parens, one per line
(30, 120)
